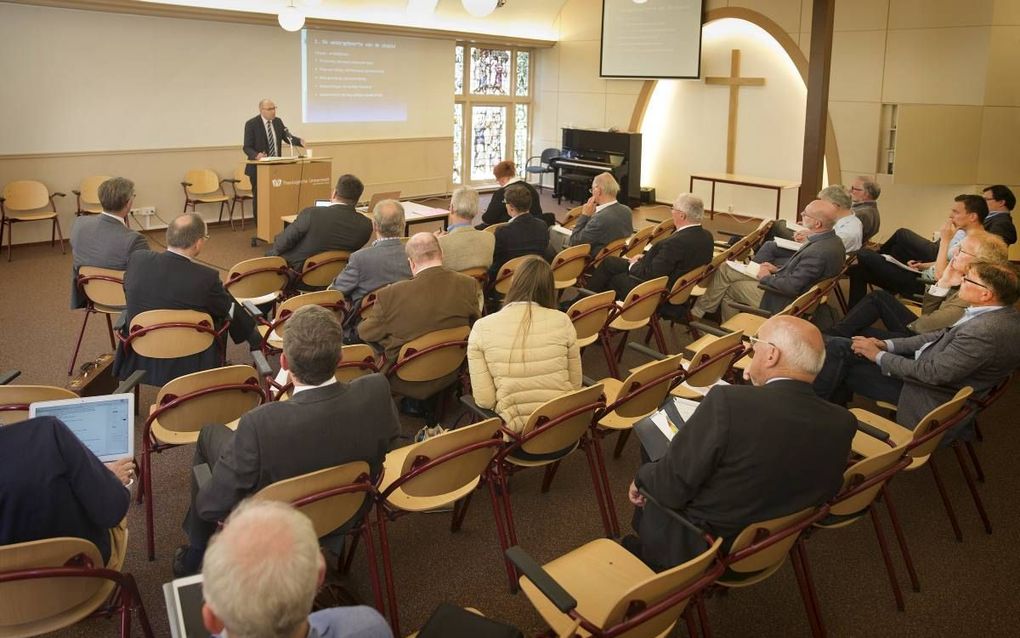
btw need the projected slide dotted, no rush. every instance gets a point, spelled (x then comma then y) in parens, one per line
(355, 77)
(656, 39)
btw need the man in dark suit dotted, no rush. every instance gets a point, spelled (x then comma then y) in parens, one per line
(821, 257)
(979, 350)
(104, 240)
(321, 228)
(602, 219)
(259, 144)
(173, 280)
(523, 235)
(683, 251)
(749, 453)
(999, 221)
(325, 423)
(864, 192)
(496, 213)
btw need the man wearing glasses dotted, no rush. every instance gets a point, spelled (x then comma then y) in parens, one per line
(848, 228)
(864, 192)
(1001, 201)
(264, 136)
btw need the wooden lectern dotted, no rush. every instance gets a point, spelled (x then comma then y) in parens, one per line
(285, 186)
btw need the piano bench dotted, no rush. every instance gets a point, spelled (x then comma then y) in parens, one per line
(571, 184)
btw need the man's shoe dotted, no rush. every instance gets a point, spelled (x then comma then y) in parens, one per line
(181, 564)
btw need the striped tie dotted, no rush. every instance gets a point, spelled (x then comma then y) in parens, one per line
(272, 139)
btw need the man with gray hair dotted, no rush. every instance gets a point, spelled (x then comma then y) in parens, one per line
(380, 263)
(602, 219)
(260, 577)
(865, 191)
(847, 227)
(105, 240)
(463, 246)
(175, 280)
(687, 248)
(749, 453)
(325, 423)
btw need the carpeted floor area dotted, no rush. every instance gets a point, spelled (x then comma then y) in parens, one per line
(967, 588)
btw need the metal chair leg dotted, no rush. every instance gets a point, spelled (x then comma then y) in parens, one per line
(887, 559)
(805, 595)
(901, 539)
(972, 487)
(945, 500)
(974, 459)
(77, 346)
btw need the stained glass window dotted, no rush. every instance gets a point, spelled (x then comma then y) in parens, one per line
(490, 71)
(521, 80)
(458, 137)
(488, 140)
(520, 137)
(458, 70)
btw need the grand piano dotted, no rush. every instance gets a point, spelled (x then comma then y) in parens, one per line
(586, 153)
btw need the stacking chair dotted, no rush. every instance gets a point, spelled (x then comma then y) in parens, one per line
(569, 264)
(204, 186)
(982, 402)
(614, 248)
(356, 360)
(436, 356)
(15, 399)
(571, 218)
(543, 166)
(272, 330)
(87, 195)
(378, 197)
(24, 201)
(661, 231)
(590, 314)
(182, 407)
(49, 585)
(676, 305)
(322, 268)
(241, 185)
(600, 589)
(337, 500)
(170, 334)
(492, 228)
(441, 471)
(633, 313)
(260, 280)
(709, 364)
(103, 290)
(637, 242)
(505, 274)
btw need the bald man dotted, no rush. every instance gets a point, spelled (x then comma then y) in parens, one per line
(258, 143)
(749, 453)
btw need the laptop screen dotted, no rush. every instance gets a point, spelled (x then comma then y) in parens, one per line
(105, 424)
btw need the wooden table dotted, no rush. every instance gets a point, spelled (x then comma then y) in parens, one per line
(777, 185)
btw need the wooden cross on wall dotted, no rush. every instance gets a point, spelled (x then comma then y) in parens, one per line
(734, 81)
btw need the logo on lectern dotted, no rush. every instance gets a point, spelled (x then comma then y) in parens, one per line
(277, 183)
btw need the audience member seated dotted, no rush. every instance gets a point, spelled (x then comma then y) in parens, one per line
(683, 251)
(325, 423)
(941, 307)
(463, 246)
(979, 350)
(525, 354)
(925, 260)
(865, 191)
(435, 299)
(321, 228)
(999, 221)
(848, 228)
(381, 263)
(173, 280)
(602, 219)
(821, 257)
(748, 453)
(523, 235)
(51, 485)
(105, 240)
(261, 575)
(496, 213)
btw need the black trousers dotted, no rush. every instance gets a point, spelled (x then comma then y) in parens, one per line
(876, 306)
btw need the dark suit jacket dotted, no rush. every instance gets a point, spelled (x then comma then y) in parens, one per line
(821, 257)
(51, 485)
(747, 454)
(256, 141)
(871, 221)
(496, 211)
(321, 228)
(316, 429)
(103, 242)
(677, 255)
(524, 235)
(168, 281)
(1002, 225)
(608, 224)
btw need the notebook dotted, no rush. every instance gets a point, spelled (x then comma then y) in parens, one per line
(105, 424)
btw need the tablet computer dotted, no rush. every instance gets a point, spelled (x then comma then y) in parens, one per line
(105, 424)
(184, 600)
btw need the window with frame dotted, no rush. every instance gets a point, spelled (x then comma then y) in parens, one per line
(491, 111)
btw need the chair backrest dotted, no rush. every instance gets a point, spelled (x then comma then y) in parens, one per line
(169, 334)
(478, 445)
(569, 263)
(654, 590)
(311, 494)
(26, 195)
(645, 389)
(89, 189)
(572, 414)
(32, 606)
(492, 228)
(257, 277)
(719, 258)
(549, 154)
(614, 248)
(589, 315)
(329, 299)
(661, 231)
(934, 420)
(637, 242)
(203, 181)
(378, 197)
(479, 274)
(220, 395)
(322, 268)
(433, 355)
(103, 286)
(243, 185)
(850, 501)
(15, 399)
(756, 536)
(572, 216)
(356, 360)
(506, 272)
(684, 286)
(805, 304)
(710, 362)
(643, 299)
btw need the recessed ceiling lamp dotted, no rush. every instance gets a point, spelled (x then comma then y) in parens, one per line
(640, 1)
(421, 7)
(480, 8)
(291, 18)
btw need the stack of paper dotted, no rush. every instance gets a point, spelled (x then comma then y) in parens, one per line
(701, 390)
(788, 244)
(750, 268)
(686, 409)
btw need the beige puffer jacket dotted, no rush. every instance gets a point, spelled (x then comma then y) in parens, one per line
(514, 375)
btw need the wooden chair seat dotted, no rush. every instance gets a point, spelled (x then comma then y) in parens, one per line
(31, 217)
(744, 322)
(760, 565)
(868, 446)
(210, 199)
(176, 437)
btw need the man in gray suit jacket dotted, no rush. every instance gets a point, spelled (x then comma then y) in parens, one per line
(381, 263)
(325, 423)
(463, 246)
(979, 350)
(602, 219)
(104, 240)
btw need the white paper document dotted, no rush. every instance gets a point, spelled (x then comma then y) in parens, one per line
(685, 407)
(699, 389)
(896, 262)
(750, 268)
(561, 230)
(788, 244)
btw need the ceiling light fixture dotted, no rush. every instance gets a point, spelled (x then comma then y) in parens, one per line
(480, 8)
(291, 18)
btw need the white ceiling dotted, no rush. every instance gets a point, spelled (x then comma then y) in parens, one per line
(518, 18)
